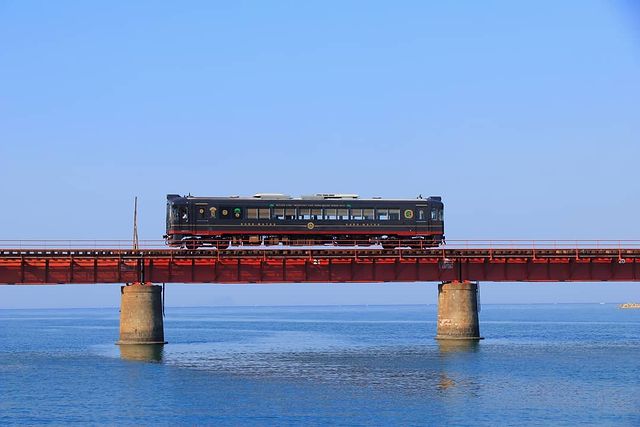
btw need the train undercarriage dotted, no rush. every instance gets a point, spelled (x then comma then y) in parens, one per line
(225, 241)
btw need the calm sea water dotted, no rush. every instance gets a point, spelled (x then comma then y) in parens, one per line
(539, 364)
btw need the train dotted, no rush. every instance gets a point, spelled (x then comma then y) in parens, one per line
(276, 219)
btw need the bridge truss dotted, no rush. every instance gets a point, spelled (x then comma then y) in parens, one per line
(92, 262)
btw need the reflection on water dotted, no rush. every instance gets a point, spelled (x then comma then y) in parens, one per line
(445, 382)
(353, 366)
(142, 352)
(458, 346)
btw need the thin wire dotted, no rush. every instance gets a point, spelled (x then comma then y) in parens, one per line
(135, 223)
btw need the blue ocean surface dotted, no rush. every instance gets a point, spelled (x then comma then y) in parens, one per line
(353, 365)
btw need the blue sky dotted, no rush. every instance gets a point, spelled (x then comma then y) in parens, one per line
(522, 115)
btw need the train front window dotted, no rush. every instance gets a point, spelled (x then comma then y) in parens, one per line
(434, 214)
(440, 214)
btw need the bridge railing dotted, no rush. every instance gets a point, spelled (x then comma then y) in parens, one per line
(97, 244)
(542, 244)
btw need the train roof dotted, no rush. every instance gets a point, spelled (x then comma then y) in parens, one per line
(314, 197)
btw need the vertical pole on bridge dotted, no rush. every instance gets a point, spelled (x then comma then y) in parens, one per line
(458, 311)
(141, 314)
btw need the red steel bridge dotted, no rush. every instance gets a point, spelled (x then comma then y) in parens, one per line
(105, 261)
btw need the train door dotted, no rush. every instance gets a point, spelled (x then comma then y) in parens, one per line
(201, 217)
(422, 217)
(183, 217)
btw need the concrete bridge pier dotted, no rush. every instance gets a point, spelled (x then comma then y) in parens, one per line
(141, 314)
(458, 311)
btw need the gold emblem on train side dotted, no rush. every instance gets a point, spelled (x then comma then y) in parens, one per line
(408, 213)
(310, 225)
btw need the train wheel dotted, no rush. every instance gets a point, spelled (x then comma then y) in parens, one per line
(390, 244)
(191, 245)
(416, 244)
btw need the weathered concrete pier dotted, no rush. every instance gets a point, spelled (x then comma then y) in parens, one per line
(458, 311)
(141, 314)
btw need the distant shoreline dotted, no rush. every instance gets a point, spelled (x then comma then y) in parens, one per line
(629, 305)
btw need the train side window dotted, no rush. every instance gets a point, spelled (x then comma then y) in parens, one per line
(383, 214)
(394, 214)
(184, 215)
(252, 213)
(278, 213)
(264, 213)
(316, 214)
(356, 214)
(421, 215)
(368, 214)
(304, 213)
(343, 214)
(290, 213)
(330, 214)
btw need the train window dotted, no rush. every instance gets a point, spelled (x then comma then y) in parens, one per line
(252, 213)
(368, 214)
(356, 214)
(421, 215)
(330, 214)
(263, 213)
(394, 214)
(383, 214)
(278, 213)
(440, 214)
(290, 213)
(175, 215)
(316, 214)
(304, 213)
(434, 214)
(184, 215)
(343, 214)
